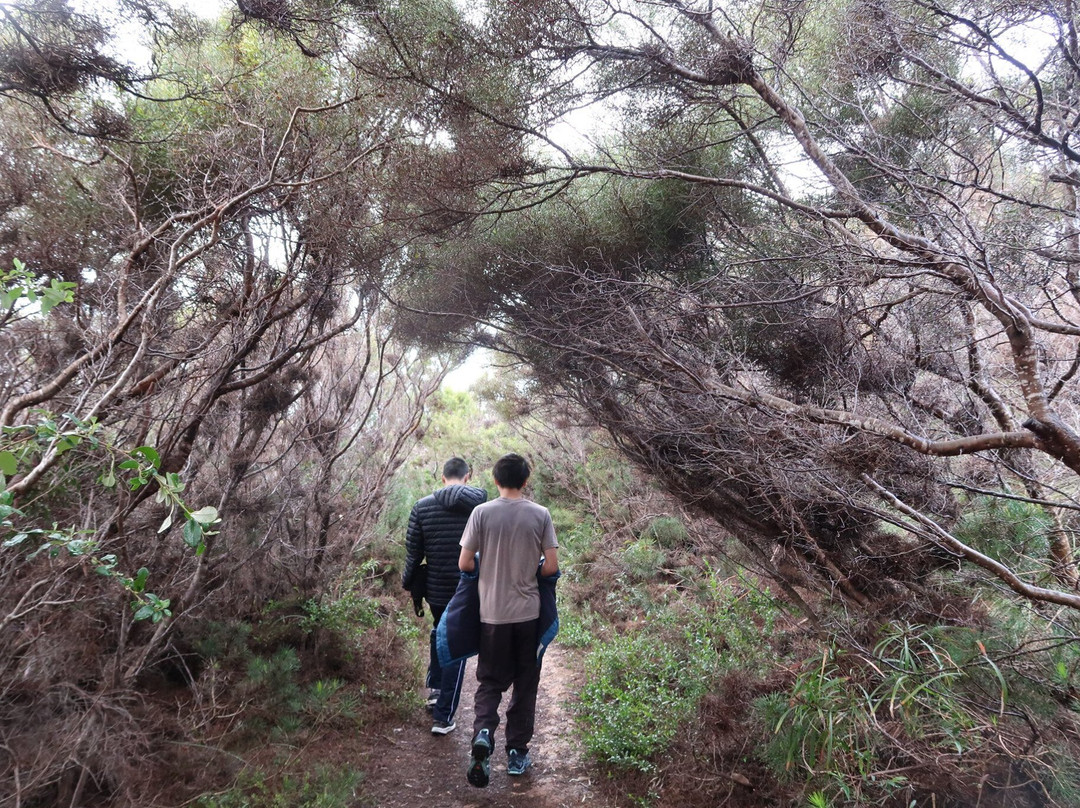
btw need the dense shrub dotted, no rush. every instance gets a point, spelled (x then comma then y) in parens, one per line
(642, 686)
(639, 688)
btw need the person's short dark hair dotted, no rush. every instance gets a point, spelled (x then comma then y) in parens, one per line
(455, 469)
(511, 471)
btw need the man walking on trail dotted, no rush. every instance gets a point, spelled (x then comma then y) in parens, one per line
(510, 534)
(435, 527)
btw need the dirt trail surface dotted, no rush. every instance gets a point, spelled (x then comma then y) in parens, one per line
(411, 768)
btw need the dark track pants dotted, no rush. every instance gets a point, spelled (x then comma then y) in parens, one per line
(446, 680)
(508, 658)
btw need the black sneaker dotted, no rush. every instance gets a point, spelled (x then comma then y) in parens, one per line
(480, 764)
(433, 697)
(517, 762)
(443, 727)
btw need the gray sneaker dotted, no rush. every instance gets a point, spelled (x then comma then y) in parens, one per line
(517, 762)
(443, 727)
(479, 771)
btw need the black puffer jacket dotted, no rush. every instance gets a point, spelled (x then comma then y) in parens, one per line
(435, 527)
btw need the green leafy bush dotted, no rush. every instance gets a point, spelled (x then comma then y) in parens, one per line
(643, 559)
(821, 727)
(274, 680)
(739, 617)
(224, 641)
(667, 532)
(640, 687)
(36, 448)
(347, 615)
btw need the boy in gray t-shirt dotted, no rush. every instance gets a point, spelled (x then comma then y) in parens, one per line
(512, 536)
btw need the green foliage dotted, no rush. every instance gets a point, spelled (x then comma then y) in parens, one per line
(666, 531)
(1059, 773)
(821, 727)
(347, 615)
(273, 680)
(638, 689)
(36, 447)
(577, 535)
(945, 690)
(326, 787)
(643, 559)
(921, 683)
(641, 686)
(578, 628)
(20, 284)
(275, 684)
(329, 701)
(742, 617)
(224, 641)
(1016, 533)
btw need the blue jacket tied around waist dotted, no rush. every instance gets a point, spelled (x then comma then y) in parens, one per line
(457, 636)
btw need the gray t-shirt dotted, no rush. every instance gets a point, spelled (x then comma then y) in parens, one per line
(511, 535)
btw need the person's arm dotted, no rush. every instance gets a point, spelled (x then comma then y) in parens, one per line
(414, 548)
(548, 546)
(551, 562)
(469, 546)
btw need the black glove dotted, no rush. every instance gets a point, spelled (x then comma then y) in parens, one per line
(418, 588)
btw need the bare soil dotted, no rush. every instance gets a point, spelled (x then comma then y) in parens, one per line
(408, 767)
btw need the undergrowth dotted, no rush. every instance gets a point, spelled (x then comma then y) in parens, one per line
(947, 711)
(643, 685)
(323, 788)
(295, 670)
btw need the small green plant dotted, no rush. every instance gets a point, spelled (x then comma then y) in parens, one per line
(224, 641)
(922, 680)
(347, 615)
(323, 788)
(277, 676)
(274, 682)
(577, 627)
(643, 559)
(666, 532)
(822, 728)
(644, 800)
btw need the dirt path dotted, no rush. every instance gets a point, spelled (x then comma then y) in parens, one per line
(415, 769)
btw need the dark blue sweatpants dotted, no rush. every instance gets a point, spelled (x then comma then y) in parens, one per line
(446, 680)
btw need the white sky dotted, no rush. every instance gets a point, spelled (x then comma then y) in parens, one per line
(463, 377)
(207, 9)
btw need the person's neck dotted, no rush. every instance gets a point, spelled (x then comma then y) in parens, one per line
(453, 482)
(510, 493)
